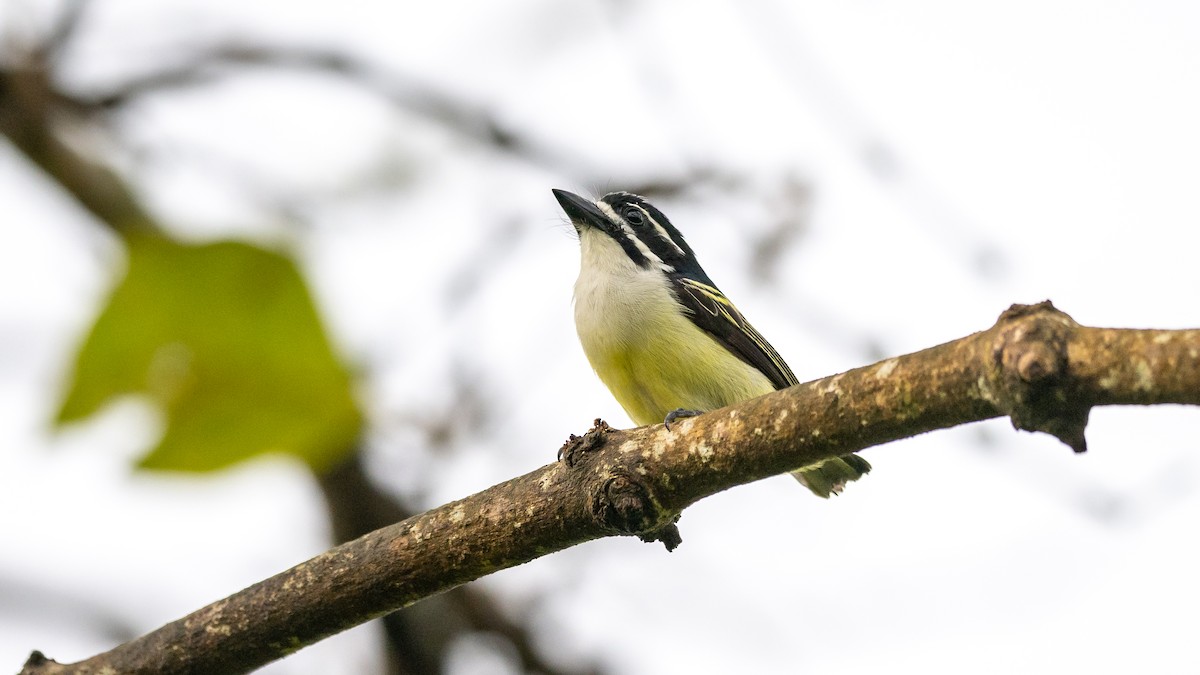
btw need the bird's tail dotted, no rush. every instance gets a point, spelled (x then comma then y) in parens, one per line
(830, 477)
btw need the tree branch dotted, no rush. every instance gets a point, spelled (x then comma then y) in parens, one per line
(35, 109)
(204, 64)
(31, 118)
(419, 636)
(1035, 365)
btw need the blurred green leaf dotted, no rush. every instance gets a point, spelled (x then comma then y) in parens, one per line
(225, 338)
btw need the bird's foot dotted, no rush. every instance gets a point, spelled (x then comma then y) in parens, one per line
(577, 446)
(678, 413)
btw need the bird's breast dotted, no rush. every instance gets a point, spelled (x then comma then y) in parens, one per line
(646, 350)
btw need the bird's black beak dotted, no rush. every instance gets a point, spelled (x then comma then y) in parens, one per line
(582, 212)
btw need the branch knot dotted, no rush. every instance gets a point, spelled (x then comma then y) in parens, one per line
(1030, 366)
(625, 505)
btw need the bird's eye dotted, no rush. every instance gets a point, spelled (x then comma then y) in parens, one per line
(634, 216)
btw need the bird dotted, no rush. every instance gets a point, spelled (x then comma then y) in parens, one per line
(659, 333)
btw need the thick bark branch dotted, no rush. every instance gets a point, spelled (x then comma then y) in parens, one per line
(1036, 365)
(420, 635)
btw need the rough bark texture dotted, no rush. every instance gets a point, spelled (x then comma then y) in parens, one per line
(421, 634)
(1036, 365)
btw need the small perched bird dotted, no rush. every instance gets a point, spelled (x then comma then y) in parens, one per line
(661, 335)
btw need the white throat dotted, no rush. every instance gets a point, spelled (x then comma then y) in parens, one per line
(613, 295)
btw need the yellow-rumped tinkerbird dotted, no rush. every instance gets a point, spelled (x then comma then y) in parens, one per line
(660, 334)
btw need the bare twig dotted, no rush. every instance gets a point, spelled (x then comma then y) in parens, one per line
(211, 62)
(406, 91)
(65, 29)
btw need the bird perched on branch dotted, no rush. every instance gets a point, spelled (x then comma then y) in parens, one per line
(660, 334)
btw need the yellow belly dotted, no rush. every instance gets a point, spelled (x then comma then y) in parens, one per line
(669, 365)
(644, 348)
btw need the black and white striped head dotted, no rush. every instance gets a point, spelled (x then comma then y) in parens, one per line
(645, 235)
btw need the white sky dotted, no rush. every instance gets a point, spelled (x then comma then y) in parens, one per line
(1058, 140)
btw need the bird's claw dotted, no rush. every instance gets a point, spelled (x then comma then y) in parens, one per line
(678, 413)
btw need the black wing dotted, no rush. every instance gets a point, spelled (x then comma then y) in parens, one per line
(715, 314)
